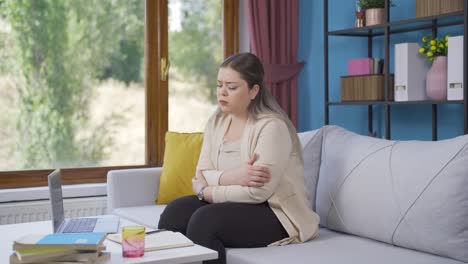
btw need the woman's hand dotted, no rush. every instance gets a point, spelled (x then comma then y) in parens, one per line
(198, 182)
(253, 176)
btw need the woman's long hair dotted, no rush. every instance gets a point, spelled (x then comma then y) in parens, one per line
(264, 105)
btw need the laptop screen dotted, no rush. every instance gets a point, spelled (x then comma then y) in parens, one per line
(56, 200)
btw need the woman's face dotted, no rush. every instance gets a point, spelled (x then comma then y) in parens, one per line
(233, 93)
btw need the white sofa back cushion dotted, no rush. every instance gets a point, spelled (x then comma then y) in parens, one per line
(412, 194)
(311, 142)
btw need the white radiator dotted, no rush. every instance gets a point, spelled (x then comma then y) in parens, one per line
(21, 212)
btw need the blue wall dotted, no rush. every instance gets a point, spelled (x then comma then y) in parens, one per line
(407, 121)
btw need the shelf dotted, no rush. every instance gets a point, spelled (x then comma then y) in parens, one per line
(401, 26)
(427, 102)
(394, 103)
(427, 19)
(357, 103)
(372, 31)
(385, 31)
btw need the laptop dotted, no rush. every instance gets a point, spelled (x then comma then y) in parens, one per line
(107, 224)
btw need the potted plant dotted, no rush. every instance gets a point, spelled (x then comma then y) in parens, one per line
(435, 49)
(375, 11)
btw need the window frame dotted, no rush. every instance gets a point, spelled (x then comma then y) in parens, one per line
(156, 100)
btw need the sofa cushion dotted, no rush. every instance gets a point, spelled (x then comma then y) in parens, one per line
(147, 215)
(407, 193)
(181, 153)
(334, 248)
(311, 142)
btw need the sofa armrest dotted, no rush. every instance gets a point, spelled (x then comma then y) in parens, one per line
(132, 187)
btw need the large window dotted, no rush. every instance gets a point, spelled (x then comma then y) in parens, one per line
(81, 87)
(71, 84)
(195, 52)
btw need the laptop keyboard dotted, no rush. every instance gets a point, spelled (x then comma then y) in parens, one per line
(80, 225)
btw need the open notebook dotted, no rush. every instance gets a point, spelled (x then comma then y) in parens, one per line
(157, 241)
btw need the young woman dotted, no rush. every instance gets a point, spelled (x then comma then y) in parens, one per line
(249, 182)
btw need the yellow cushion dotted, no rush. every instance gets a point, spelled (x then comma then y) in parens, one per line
(181, 155)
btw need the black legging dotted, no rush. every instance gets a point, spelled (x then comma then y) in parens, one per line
(216, 226)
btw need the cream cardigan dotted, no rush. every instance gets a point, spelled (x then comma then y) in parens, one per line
(286, 193)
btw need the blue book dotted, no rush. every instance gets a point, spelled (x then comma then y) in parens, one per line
(77, 241)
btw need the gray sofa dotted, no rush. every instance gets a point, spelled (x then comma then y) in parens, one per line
(379, 201)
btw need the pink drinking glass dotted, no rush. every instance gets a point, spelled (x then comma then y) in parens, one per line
(133, 241)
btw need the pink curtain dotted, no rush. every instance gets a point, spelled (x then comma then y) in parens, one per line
(273, 30)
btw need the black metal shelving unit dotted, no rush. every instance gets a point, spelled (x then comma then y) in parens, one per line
(386, 29)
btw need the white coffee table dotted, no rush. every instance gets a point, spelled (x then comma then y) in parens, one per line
(194, 254)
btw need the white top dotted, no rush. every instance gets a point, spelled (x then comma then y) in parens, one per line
(229, 155)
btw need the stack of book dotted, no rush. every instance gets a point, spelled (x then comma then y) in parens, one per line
(365, 66)
(60, 248)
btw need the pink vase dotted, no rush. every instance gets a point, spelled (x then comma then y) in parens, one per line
(436, 79)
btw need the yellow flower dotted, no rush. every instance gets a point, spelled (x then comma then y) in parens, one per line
(446, 37)
(446, 44)
(433, 42)
(421, 50)
(429, 54)
(441, 45)
(433, 47)
(424, 39)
